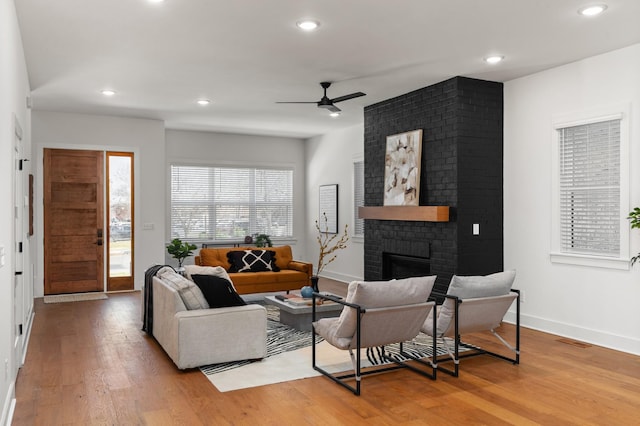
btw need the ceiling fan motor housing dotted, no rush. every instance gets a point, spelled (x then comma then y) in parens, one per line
(325, 102)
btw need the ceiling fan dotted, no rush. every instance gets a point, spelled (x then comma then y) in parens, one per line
(327, 103)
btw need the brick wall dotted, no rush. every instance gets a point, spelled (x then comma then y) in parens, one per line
(461, 120)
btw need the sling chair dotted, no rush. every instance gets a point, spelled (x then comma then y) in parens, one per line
(375, 314)
(475, 304)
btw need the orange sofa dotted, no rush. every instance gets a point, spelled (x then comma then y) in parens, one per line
(293, 274)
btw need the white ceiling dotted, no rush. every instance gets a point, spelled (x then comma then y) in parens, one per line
(245, 55)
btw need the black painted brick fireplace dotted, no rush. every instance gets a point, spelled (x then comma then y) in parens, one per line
(462, 152)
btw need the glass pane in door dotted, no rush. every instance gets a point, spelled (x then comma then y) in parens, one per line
(120, 197)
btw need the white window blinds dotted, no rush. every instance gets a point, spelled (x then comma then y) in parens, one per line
(590, 188)
(358, 197)
(218, 203)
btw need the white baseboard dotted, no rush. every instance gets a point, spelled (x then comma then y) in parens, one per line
(9, 405)
(594, 337)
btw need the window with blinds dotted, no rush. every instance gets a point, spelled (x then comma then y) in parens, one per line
(223, 203)
(358, 197)
(589, 188)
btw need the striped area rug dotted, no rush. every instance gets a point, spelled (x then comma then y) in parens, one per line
(282, 338)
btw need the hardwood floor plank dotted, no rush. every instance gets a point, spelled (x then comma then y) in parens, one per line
(89, 363)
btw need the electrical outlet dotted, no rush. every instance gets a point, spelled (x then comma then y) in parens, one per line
(476, 229)
(6, 369)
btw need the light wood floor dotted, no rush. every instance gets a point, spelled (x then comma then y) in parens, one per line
(89, 363)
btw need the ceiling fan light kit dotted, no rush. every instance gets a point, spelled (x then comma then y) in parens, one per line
(308, 24)
(325, 102)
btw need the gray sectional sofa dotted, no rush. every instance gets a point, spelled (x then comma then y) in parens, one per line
(197, 337)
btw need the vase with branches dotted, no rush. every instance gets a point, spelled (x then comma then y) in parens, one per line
(329, 244)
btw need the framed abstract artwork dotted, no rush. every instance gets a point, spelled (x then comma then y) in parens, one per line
(328, 208)
(402, 169)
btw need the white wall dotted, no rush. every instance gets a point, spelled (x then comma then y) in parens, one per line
(591, 304)
(192, 147)
(145, 138)
(330, 160)
(14, 88)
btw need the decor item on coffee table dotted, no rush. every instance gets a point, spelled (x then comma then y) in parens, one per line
(180, 250)
(328, 247)
(376, 314)
(475, 304)
(402, 169)
(306, 291)
(299, 316)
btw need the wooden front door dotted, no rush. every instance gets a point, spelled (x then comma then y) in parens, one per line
(73, 221)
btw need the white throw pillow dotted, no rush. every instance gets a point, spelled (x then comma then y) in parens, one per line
(217, 271)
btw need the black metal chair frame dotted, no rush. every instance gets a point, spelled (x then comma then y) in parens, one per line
(341, 378)
(475, 350)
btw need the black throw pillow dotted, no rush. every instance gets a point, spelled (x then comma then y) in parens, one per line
(252, 261)
(219, 292)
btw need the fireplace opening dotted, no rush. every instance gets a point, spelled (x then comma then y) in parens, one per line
(404, 266)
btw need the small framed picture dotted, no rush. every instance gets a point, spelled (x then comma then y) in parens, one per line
(328, 207)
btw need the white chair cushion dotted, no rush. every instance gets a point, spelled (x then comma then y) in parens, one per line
(327, 327)
(470, 287)
(496, 284)
(377, 294)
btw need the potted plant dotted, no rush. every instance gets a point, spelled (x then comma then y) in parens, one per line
(634, 218)
(263, 240)
(180, 250)
(329, 245)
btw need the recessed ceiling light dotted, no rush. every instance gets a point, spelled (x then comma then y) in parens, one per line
(155, 1)
(308, 25)
(108, 92)
(334, 114)
(592, 10)
(203, 102)
(494, 59)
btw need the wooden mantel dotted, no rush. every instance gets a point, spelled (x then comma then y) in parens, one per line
(412, 213)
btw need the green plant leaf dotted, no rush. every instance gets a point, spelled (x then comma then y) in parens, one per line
(634, 218)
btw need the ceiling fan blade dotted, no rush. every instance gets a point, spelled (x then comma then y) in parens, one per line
(296, 102)
(333, 108)
(347, 97)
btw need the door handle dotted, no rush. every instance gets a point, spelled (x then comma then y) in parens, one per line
(99, 232)
(99, 242)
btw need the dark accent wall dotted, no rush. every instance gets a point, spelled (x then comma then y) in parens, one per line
(462, 138)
